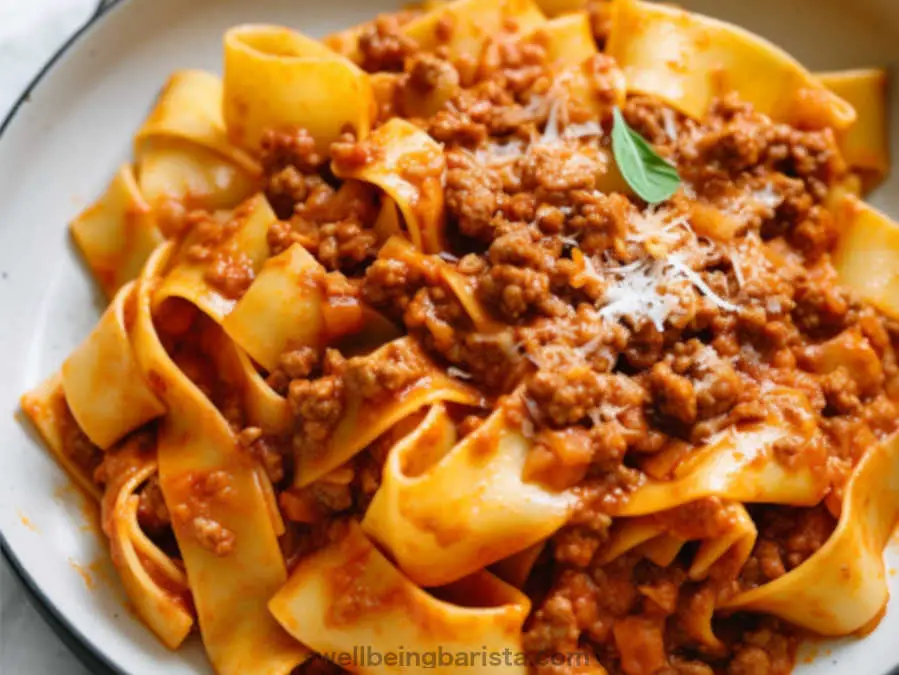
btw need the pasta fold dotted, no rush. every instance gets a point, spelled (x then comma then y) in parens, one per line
(212, 487)
(842, 586)
(742, 465)
(473, 21)
(282, 310)
(408, 165)
(117, 233)
(568, 39)
(656, 540)
(276, 78)
(46, 407)
(687, 60)
(867, 254)
(103, 384)
(154, 584)
(438, 533)
(187, 278)
(348, 600)
(865, 145)
(363, 420)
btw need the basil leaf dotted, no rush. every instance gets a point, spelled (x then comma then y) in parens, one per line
(650, 176)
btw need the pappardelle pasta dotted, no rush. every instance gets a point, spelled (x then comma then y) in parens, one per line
(528, 336)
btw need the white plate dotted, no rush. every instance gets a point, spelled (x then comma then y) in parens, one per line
(60, 149)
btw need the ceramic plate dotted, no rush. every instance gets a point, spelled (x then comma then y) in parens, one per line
(57, 152)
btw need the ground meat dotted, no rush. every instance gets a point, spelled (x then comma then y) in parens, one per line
(566, 397)
(385, 372)
(472, 195)
(673, 394)
(230, 273)
(384, 46)
(317, 404)
(213, 536)
(552, 169)
(787, 537)
(576, 545)
(205, 489)
(516, 291)
(268, 451)
(299, 363)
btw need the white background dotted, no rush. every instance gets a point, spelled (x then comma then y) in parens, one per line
(30, 31)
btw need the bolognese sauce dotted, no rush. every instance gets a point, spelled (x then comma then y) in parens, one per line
(613, 373)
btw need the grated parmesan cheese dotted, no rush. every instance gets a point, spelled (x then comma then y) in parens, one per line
(645, 290)
(586, 130)
(551, 131)
(657, 226)
(635, 294)
(677, 263)
(669, 124)
(747, 205)
(736, 261)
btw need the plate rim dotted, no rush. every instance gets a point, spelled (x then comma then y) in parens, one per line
(84, 650)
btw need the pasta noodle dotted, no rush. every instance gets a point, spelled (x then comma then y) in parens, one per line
(313, 607)
(865, 144)
(548, 337)
(277, 78)
(688, 59)
(435, 541)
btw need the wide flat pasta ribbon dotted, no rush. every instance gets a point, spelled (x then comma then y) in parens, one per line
(183, 153)
(473, 23)
(408, 165)
(842, 586)
(568, 39)
(156, 587)
(347, 600)
(102, 381)
(554, 8)
(203, 474)
(867, 254)
(187, 277)
(282, 310)
(865, 145)
(652, 538)
(46, 407)
(446, 509)
(117, 233)
(276, 78)
(189, 109)
(687, 60)
(743, 465)
(365, 420)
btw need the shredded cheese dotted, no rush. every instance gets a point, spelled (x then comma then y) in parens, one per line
(659, 231)
(677, 263)
(635, 293)
(586, 130)
(646, 289)
(670, 124)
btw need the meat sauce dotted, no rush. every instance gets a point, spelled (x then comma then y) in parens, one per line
(612, 386)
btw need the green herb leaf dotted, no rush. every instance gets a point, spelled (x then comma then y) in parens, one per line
(650, 176)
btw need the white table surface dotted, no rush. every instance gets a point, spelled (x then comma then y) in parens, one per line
(30, 32)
